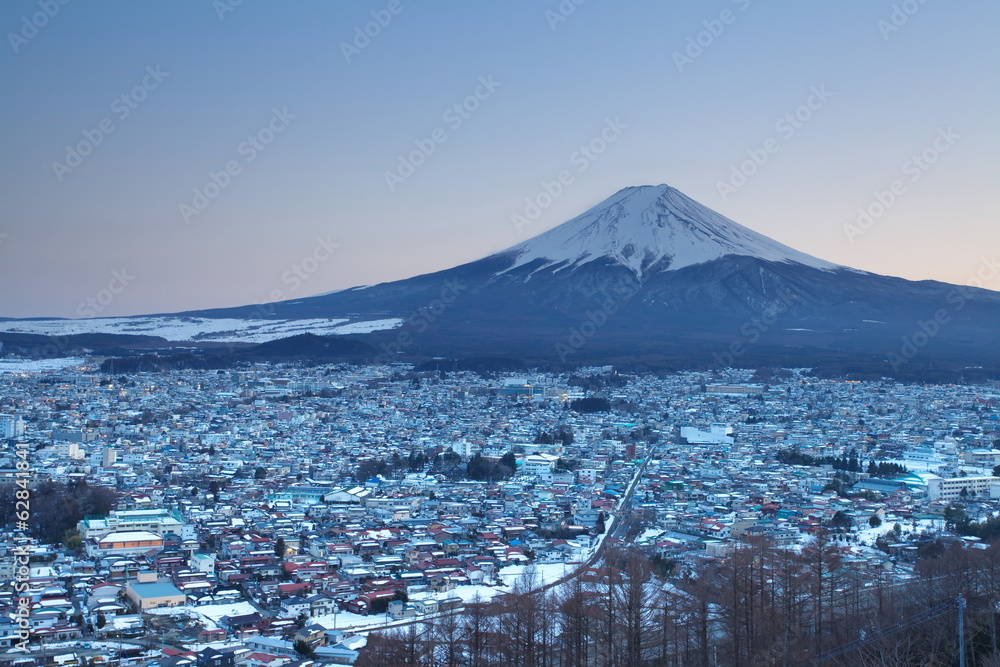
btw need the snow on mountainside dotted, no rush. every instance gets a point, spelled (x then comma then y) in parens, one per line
(640, 226)
(221, 330)
(651, 230)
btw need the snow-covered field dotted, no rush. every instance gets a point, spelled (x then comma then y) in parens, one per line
(650, 535)
(91, 643)
(867, 535)
(208, 615)
(223, 330)
(26, 366)
(542, 575)
(345, 620)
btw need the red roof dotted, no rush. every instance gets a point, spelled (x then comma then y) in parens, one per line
(293, 588)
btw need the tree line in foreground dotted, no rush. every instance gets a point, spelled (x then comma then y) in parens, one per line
(761, 605)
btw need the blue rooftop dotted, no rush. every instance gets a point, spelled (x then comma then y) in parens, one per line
(157, 589)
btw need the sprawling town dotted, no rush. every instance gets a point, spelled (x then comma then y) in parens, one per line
(283, 515)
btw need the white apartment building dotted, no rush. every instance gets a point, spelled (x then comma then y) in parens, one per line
(939, 488)
(539, 464)
(11, 426)
(159, 521)
(69, 450)
(718, 434)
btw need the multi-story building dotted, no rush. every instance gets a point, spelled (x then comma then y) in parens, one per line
(539, 464)
(124, 543)
(11, 426)
(939, 488)
(160, 521)
(69, 449)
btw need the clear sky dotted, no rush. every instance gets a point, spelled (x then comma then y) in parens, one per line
(116, 115)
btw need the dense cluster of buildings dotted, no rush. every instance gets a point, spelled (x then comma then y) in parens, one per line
(275, 505)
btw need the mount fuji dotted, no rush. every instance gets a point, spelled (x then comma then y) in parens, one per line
(650, 229)
(648, 278)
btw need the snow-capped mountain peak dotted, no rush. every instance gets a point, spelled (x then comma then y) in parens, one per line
(652, 226)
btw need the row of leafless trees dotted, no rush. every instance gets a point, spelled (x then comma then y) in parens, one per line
(761, 605)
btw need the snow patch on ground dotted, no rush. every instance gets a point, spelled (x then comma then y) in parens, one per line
(346, 620)
(182, 329)
(543, 574)
(368, 327)
(208, 615)
(28, 366)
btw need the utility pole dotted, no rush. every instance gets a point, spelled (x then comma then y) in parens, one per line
(961, 631)
(993, 630)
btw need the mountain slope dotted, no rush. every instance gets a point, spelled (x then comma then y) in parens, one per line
(651, 274)
(652, 277)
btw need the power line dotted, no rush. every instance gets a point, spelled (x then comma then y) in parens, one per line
(905, 624)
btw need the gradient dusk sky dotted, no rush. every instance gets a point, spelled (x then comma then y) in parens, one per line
(116, 115)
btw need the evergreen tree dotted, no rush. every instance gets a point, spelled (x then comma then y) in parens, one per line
(303, 648)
